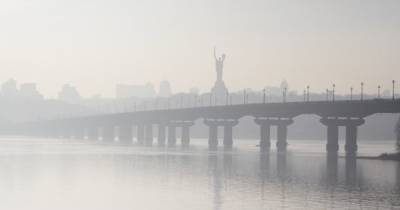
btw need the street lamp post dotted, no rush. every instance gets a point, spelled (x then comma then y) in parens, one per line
(284, 95)
(304, 95)
(264, 96)
(308, 93)
(351, 93)
(379, 91)
(362, 91)
(393, 84)
(333, 93)
(244, 96)
(327, 94)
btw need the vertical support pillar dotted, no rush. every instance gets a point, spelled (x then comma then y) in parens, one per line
(185, 136)
(351, 140)
(93, 133)
(332, 145)
(228, 137)
(149, 135)
(161, 135)
(140, 134)
(213, 137)
(171, 135)
(125, 134)
(108, 134)
(265, 136)
(281, 144)
(78, 133)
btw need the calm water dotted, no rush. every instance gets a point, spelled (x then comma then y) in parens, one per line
(48, 174)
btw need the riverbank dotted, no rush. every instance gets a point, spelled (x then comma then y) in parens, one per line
(384, 156)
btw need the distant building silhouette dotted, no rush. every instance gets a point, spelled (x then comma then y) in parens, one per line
(9, 88)
(194, 91)
(141, 91)
(165, 89)
(29, 90)
(69, 94)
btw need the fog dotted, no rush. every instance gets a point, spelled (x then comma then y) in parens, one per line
(95, 44)
(210, 104)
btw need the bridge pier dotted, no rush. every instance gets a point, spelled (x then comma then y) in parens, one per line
(213, 137)
(79, 133)
(125, 134)
(213, 132)
(265, 133)
(185, 135)
(93, 133)
(108, 134)
(228, 133)
(332, 132)
(281, 143)
(140, 134)
(351, 125)
(185, 138)
(149, 135)
(171, 135)
(351, 136)
(161, 135)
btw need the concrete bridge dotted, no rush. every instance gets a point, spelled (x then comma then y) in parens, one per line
(109, 127)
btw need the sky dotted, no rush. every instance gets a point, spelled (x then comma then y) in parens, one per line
(95, 44)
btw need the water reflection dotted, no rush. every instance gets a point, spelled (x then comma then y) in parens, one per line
(332, 168)
(196, 178)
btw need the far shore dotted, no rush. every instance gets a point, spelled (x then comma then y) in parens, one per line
(384, 156)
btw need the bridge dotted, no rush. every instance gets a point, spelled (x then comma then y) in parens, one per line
(109, 127)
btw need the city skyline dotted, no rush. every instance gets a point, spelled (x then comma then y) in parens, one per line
(95, 47)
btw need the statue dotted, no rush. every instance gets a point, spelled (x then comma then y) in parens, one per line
(219, 92)
(219, 65)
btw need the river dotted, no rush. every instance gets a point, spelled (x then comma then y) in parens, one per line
(49, 174)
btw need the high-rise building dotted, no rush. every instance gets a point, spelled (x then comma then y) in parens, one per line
(29, 90)
(9, 88)
(140, 91)
(165, 89)
(69, 94)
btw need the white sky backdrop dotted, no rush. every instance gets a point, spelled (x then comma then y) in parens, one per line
(94, 44)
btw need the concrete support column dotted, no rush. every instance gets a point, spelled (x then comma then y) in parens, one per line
(228, 136)
(213, 137)
(332, 134)
(185, 136)
(281, 143)
(332, 145)
(79, 133)
(265, 133)
(351, 140)
(93, 133)
(149, 135)
(171, 135)
(161, 135)
(125, 134)
(108, 133)
(140, 134)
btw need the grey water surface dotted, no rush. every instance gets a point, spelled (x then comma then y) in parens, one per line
(49, 174)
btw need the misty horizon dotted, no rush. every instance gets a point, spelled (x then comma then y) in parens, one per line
(95, 46)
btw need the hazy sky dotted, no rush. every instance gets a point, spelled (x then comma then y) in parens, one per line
(94, 44)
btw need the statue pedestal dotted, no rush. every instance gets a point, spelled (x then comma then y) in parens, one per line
(220, 93)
